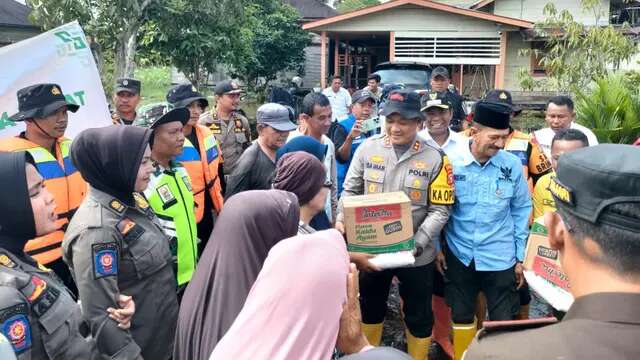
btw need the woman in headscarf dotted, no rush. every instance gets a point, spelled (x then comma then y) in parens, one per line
(250, 224)
(38, 315)
(314, 147)
(304, 175)
(293, 310)
(114, 244)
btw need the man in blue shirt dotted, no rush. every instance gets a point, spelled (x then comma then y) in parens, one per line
(352, 131)
(487, 231)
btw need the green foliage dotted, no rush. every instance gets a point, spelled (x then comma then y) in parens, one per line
(574, 54)
(272, 41)
(350, 5)
(611, 108)
(156, 81)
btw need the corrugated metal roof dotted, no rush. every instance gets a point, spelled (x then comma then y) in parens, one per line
(12, 13)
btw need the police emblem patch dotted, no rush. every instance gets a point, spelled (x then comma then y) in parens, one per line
(105, 260)
(39, 287)
(503, 96)
(6, 261)
(125, 225)
(18, 331)
(55, 90)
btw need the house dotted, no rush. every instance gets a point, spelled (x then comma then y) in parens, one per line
(478, 40)
(312, 10)
(14, 23)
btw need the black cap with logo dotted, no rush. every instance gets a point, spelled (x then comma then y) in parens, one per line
(39, 101)
(591, 179)
(129, 85)
(436, 99)
(227, 87)
(184, 94)
(178, 114)
(363, 95)
(403, 102)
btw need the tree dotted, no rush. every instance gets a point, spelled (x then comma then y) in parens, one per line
(272, 41)
(195, 36)
(114, 23)
(574, 55)
(349, 5)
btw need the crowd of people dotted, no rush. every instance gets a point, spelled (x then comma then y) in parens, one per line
(176, 235)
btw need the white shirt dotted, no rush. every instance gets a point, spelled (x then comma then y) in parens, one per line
(545, 136)
(452, 145)
(340, 102)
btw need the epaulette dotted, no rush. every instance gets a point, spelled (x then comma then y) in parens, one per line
(494, 327)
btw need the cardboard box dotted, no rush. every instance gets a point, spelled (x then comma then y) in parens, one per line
(378, 223)
(542, 259)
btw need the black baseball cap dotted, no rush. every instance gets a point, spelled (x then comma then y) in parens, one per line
(495, 115)
(435, 99)
(184, 94)
(502, 96)
(180, 114)
(591, 179)
(227, 87)
(40, 100)
(440, 71)
(403, 102)
(129, 85)
(363, 95)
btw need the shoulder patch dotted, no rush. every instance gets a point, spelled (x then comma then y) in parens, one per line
(441, 190)
(105, 260)
(6, 261)
(15, 326)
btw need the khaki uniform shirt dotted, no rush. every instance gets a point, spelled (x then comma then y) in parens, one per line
(422, 172)
(113, 249)
(597, 326)
(38, 315)
(233, 136)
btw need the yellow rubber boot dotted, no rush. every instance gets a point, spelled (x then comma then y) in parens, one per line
(418, 348)
(463, 334)
(373, 332)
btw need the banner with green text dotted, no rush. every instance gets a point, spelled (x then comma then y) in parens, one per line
(60, 56)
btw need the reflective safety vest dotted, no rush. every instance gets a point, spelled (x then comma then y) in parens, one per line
(202, 167)
(63, 181)
(169, 194)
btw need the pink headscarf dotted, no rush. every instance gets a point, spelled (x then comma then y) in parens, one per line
(294, 307)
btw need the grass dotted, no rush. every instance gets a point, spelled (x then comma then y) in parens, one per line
(156, 81)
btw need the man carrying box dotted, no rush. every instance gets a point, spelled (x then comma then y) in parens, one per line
(402, 161)
(489, 225)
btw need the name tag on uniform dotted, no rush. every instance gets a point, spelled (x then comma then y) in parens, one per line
(166, 196)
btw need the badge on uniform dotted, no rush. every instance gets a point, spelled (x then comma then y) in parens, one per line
(140, 201)
(129, 230)
(15, 327)
(6, 261)
(187, 183)
(166, 196)
(105, 260)
(117, 206)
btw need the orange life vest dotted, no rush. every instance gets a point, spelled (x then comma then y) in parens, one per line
(202, 167)
(63, 181)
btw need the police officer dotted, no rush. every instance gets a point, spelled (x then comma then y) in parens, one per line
(115, 244)
(596, 231)
(441, 82)
(488, 228)
(126, 98)
(39, 317)
(169, 193)
(44, 109)
(201, 157)
(227, 124)
(402, 161)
